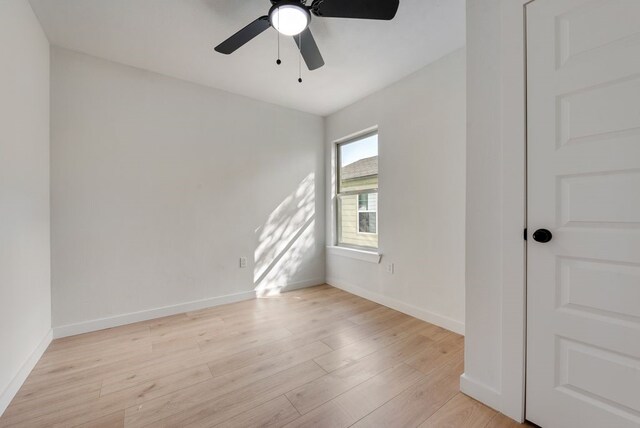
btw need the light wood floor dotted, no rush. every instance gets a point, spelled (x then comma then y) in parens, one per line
(312, 357)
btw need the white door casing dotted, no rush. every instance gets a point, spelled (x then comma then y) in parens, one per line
(583, 287)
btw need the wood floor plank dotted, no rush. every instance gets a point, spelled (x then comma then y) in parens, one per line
(87, 410)
(61, 381)
(140, 373)
(113, 420)
(104, 335)
(333, 315)
(246, 338)
(460, 412)
(376, 312)
(213, 389)
(437, 353)
(175, 344)
(416, 404)
(502, 421)
(158, 385)
(358, 332)
(272, 414)
(227, 406)
(105, 349)
(72, 416)
(231, 361)
(184, 326)
(434, 332)
(358, 402)
(298, 320)
(95, 348)
(77, 364)
(316, 393)
(311, 357)
(271, 309)
(30, 404)
(351, 353)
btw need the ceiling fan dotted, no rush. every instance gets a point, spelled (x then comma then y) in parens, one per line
(292, 18)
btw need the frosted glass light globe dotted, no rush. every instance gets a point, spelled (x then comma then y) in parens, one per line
(289, 19)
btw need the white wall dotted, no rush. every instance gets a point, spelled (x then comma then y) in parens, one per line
(159, 186)
(421, 124)
(25, 298)
(495, 290)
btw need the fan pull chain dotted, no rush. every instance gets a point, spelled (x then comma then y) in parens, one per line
(300, 59)
(278, 60)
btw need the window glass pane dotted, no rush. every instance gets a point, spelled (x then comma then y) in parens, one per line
(372, 202)
(367, 222)
(350, 232)
(363, 202)
(359, 164)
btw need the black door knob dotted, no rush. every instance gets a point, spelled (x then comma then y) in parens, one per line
(542, 235)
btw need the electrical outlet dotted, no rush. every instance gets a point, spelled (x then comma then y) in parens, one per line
(390, 268)
(243, 262)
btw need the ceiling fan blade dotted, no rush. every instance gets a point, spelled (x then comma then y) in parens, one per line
(358, 9)
(309, 49)
(243, 36)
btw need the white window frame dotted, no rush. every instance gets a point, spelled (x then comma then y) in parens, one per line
(336, 210)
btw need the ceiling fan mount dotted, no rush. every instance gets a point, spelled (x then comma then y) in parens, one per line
(292, 18)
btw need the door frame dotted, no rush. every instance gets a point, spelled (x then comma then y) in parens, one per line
(505, 389)
(519, 98)
(515, 94)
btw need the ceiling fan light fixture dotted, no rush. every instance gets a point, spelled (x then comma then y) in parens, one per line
(289, 18)
(292, 18)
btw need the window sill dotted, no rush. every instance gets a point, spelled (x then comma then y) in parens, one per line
(353, 253)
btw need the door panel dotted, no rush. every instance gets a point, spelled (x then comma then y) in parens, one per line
(583, 287)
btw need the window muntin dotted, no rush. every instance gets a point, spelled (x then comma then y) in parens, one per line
(357, 192)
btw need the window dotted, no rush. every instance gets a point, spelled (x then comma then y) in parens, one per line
(357, 192)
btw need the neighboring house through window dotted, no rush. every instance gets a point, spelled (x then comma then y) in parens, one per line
(367, 212)
(357, 192)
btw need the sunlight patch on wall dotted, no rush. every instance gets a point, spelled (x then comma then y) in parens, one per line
(285, 240)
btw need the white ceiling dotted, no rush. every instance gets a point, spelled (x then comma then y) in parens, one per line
(177, 37)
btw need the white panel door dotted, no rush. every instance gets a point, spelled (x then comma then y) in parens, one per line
(583, 286)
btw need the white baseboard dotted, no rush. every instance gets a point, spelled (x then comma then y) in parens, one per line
(480, 392)
(118, 320)
(424, 315)
(17, 381)
(132, 317)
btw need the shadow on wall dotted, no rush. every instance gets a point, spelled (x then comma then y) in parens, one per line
(284, 240)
